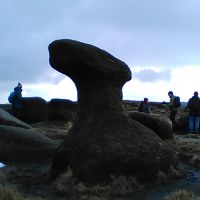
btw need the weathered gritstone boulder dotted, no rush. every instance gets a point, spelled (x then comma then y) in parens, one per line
(24, 145)
(7, 107)
(10, 120)
(19, 142)
(63, 109)
(160, 125)
(34, 109)
(104, 140)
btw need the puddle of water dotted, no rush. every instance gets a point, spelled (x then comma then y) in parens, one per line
(188, 138)
(2, 165)
(191, 182)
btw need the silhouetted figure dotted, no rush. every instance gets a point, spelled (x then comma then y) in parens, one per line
(173, 108)
(194, 113)
(15, 98)
(144, 107)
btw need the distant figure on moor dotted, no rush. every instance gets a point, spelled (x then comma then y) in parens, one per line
(144, 107)
(15, 98)
(173, 105)
(194, 113)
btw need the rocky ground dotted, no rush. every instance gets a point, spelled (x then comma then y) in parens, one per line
(33, 181)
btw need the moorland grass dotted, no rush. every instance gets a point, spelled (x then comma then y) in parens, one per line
(182, 195)
(10, 193)
(66, 184)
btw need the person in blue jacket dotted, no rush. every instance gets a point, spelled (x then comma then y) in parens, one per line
(17, 101)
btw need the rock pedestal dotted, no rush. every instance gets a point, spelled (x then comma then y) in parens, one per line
(104, 141)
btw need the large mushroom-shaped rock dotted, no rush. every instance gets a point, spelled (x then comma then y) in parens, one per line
(61, 109)
(35, 109)
(104, 140)
(160, 125)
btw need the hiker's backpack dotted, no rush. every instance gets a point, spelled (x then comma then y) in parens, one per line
(11, 97)
(177, 102)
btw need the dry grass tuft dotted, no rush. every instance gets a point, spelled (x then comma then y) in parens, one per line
(124, 185)
(174, 173)
(195, 160)
(182, 195)
(66, 184)
(9, 193)
(190, 151)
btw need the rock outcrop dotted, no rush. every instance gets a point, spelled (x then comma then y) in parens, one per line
(35, 109)
(104, 140)
(19, 142)
(25, 145)
(61, 109)
(9, 120)
(160, 125)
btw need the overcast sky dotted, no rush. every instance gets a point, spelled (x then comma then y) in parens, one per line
(158, 39)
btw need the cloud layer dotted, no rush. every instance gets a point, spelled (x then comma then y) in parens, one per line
(142, 33)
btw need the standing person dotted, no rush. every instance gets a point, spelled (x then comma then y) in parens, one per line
(144, 107)
(16, 99)
(173, 106)
(194, 113)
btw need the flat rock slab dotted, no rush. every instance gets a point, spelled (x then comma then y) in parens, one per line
(10, 120)
(24, 145)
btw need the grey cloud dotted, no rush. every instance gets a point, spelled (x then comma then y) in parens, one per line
(149, 75)
(161, 33)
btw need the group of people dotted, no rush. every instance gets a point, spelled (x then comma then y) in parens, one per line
(193, 106)
(15, 98)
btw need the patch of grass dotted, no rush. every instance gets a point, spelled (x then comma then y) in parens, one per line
(66, 184)
(195, 160)
(189, 151)
(173, 173)
(182, 195)
(9, 193)
(56, 129)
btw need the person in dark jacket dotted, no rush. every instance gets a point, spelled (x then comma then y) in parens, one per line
(172, 108)
(17, 101)
(144, 107)
(194, 113)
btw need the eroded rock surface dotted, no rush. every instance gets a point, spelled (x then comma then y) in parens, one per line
(19, 142)
(104, 140)
(24, 145)
(9, 120)
(160, 125)
(61, 109)
(35, 109)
